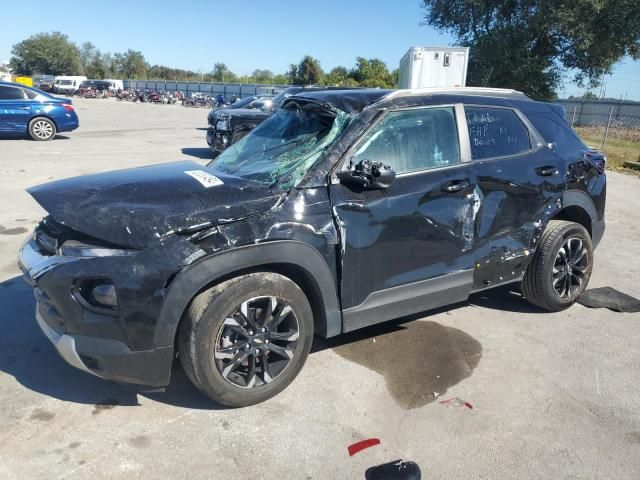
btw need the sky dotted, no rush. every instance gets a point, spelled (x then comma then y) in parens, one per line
(247, 35)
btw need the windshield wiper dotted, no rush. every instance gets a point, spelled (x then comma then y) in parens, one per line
(291, 144)
(296, 142)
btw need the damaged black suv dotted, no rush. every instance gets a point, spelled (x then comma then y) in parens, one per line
(342, 210)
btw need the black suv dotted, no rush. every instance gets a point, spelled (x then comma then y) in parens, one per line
(342, 210)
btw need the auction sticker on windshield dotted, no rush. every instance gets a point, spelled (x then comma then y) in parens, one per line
(206, 179)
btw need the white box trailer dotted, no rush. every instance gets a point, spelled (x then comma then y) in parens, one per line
(423, 67)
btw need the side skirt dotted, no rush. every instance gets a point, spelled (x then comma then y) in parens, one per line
(408, 299)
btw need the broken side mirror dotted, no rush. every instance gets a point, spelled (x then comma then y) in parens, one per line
(367, 175)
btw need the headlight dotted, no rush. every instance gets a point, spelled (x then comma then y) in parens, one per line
(72, 248)
(222, 125)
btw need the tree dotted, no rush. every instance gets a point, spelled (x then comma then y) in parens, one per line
(525, 44)
(131, 64)
(339, 77)
(221, 73)
(372, 73)
(589, 96)
(93, 62)
(309, 71)
(281, 79)
(505, 61)
(262, 76)
(48, 53)
(292, 74)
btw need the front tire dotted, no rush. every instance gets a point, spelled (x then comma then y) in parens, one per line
(561, 267)
(245, 340)
(237, 136)
(42, 129)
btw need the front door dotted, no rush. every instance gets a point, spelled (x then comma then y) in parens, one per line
(408, 248)
(15, 109)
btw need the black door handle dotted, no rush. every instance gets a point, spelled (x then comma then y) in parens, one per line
(547, 171)
(455, 186)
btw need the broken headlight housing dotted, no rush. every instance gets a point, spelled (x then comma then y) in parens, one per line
(73, 248)
(222, 125)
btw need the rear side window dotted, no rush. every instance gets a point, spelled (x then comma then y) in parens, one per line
(11, 93)
(496, 132)
(556, 131)
(412, 140)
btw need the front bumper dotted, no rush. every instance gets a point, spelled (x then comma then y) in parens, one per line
(65, 344)
(108, 358)
(217, 140)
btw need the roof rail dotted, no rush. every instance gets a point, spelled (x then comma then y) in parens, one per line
(452, 90)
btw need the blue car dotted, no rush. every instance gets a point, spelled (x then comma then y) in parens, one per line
(25, 110)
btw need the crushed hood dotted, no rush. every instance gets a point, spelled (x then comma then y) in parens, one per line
(137, 206)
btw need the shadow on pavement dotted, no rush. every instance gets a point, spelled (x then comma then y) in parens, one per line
(507, 298)
(202, 153)
(28, 356)
(9, 136)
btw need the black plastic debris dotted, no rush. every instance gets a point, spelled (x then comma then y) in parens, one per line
(396, 470)
(607, 297)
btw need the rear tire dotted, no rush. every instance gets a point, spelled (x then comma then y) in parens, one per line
(245, 340)
(42, 129)
(561, 267)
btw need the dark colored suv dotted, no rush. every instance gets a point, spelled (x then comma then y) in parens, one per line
(342, 210)
(228, 125)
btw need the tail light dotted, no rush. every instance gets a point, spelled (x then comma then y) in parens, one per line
(68, 107)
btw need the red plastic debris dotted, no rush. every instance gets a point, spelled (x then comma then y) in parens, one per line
(456, 402)
(359, 446)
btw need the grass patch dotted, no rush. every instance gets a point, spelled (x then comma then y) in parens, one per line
(621, 146)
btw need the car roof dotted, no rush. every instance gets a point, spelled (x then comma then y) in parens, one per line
(33, 89)
(356, 100)
(347, 100)
(19, 85)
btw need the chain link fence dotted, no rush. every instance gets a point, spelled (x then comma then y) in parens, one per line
(611, 126)
(603, 120)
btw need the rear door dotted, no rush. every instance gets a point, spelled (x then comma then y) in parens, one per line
(519, 182)
(408, 248)
(15, 109)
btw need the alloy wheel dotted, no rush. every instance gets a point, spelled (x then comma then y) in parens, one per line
(42, 129)
(256, 342)
(569, 268)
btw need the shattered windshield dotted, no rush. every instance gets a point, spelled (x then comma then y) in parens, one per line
(242, 102)
(277, 101)
(280, 150)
